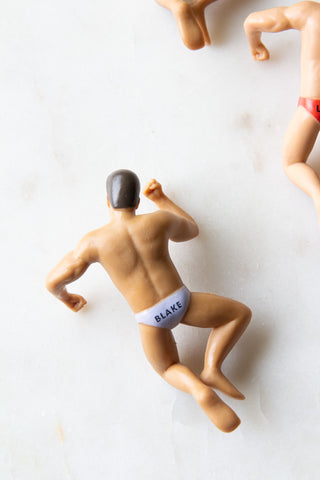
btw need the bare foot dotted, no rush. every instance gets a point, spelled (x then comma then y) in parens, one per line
(216, 379)
(189, 29)
(222, 416)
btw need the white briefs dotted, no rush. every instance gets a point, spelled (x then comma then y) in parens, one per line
(168, 312)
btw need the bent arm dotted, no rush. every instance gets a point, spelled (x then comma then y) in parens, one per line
(272, 20)
(69, 269)
(182, 226)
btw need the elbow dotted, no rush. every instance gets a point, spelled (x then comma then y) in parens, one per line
(250, 24)
(50, 283)
(193, 228)
(247, 24)
(195, 231)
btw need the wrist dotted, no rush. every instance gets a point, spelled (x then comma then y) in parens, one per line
(162, 201)
(62, 294)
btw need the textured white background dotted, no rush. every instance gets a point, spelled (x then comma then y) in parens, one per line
(90, 86)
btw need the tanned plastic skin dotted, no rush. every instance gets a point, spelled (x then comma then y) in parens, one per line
(190, 19)
(304, 127)
(133, 249)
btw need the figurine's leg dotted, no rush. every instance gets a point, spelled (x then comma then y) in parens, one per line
(189, 29)
(198, 7)
(229, 319)
(298, 143)
(201, 20)
(161, 351)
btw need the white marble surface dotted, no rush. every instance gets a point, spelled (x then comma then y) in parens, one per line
(90, 86)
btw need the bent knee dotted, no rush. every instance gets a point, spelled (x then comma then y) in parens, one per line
(289, 168)
(161, 368)
(287, 163)
(287, 160)
(290, 157)
(245, 314)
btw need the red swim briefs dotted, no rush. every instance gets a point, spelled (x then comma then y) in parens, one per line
(311, 105)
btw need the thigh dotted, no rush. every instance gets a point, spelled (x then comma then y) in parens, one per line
(208, 310)
(159, 347)
(300, 137)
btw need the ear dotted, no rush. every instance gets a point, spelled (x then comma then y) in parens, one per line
(108, 203)
(138, 203)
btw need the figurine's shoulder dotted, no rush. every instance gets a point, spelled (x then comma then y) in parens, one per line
(304, 5)
(159, 219)
(149, 226)
(301, 12)
(89, 245)
(90, 237)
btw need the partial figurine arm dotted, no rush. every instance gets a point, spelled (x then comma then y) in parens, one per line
(272, 20)
(69, 269)
(183, 225)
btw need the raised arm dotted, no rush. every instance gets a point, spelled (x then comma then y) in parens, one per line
(69, 269)
(272, 20)
(183, 226)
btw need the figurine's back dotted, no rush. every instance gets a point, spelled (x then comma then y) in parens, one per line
(134, 252)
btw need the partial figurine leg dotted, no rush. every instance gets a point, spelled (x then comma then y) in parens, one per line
(189, 29)
(297, 146)
(161, 351)
(198, 7)
(229, 319)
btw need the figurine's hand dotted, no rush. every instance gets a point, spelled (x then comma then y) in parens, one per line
(153, 190)
(75, 302)
(260, 52)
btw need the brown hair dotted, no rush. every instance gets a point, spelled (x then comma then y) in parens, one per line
(123, 189)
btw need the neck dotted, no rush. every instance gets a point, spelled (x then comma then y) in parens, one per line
(122, 213)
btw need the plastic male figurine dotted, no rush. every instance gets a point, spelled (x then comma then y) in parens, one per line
(133, 249)
(190, 21)
(305, 124)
